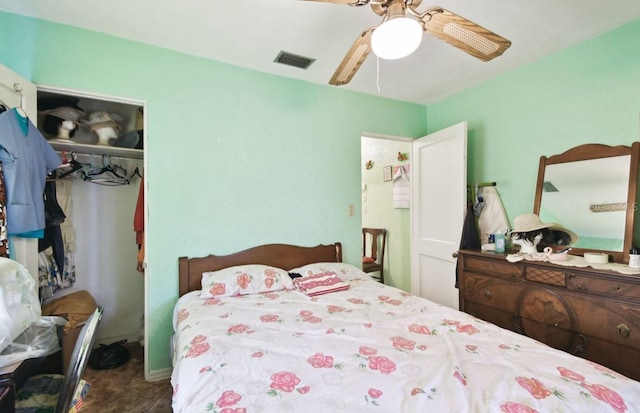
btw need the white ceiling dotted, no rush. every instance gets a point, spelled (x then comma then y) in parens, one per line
(250, 33)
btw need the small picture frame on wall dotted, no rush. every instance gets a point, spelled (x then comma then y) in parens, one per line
(386, 173)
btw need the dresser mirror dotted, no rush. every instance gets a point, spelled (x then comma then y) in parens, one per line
(591, 190)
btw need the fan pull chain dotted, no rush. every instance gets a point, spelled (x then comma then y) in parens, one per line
(378, 73)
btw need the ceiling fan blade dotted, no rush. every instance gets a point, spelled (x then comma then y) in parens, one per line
(463, 34)
(353, 59)
(346, 2)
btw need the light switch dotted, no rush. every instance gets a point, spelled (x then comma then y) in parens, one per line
(351, 211)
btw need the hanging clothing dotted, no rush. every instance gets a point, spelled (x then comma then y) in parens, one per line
(138, 226)
(27, 159)
(493, 217)
(56, 269)
(4, 239)
(469, 238)
(63, 192)
(401, 187)
(138, 216)
(52, 278)
(53, 217)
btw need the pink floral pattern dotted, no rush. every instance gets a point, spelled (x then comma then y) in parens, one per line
(373, 395)
(333, 309)
(239, 329)
(228, 398)
(565, 372)
(320, 361)
(218, 289)
(269, 281)
(373, 347)
(197, 347)
(367, 351)
(419, 329)
(382, 364)
(284, 380)
(243, 280)
(607, 395)
(269, 318)
(512, 407)
(461, 377)
(534, 386)
(309, 317)
(402, 343)
(182, 315)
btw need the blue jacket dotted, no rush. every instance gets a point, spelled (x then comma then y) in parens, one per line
(26, 158)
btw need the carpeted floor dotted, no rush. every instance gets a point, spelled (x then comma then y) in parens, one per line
(124, 388)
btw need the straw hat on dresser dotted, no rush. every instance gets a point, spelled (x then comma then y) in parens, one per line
(527, 223)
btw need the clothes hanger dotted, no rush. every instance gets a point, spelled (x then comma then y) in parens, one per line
(107, 174)
(20, 110)
(74, 164)
(136, 172)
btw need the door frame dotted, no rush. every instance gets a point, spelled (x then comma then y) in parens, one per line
(388, 256)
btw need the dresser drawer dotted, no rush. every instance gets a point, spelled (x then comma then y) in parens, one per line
(618, 288)
(492, 266)
(610, 320)
(545, 276)
(491, 292)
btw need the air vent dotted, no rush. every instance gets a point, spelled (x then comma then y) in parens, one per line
(549, 187)
(291, 59)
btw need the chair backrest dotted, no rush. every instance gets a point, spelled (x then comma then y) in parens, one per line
(373, 233)
(78, 361)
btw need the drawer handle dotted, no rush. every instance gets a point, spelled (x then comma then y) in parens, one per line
(623, 330)
(580, 348)
(487, 294)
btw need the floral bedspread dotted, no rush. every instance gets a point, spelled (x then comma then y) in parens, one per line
(372, 348)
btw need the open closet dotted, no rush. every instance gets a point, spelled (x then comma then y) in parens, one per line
(99, 189)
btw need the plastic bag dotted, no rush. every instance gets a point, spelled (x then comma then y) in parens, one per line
(39, 339)
(19, 304)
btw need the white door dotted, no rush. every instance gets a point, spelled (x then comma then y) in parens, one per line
(16, 91)
(438, 205)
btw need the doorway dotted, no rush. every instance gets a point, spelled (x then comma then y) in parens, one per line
(377, 153)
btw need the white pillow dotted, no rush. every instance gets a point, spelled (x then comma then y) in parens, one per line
(243, 280)
(343, 270)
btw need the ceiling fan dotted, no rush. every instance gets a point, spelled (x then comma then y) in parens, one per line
(453, 29)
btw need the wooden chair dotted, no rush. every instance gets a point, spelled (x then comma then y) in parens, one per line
(374, 262)
(56, 393)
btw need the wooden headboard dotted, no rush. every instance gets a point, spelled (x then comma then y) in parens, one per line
(282, 256)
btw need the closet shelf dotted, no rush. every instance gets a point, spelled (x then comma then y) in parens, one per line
(97, 149)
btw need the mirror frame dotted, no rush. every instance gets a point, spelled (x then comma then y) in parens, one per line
(598, 151)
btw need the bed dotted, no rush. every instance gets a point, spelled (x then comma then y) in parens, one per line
(355, 345)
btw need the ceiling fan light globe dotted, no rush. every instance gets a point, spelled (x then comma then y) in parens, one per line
(396, 38)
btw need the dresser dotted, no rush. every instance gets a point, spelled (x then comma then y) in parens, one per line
(594, 314)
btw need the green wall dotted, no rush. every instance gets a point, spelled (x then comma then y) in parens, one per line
(589, 93)
(236, 158)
